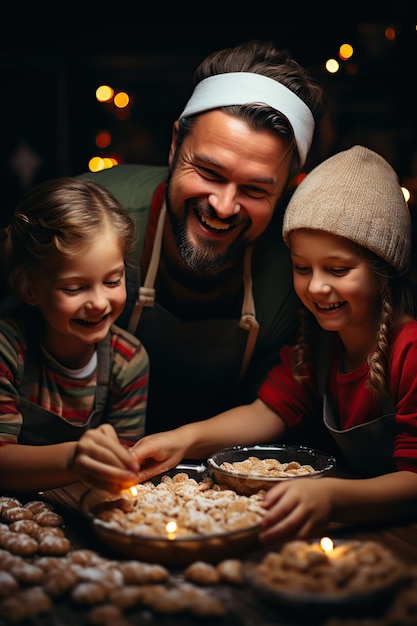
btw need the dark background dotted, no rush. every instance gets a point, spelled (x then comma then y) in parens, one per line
(53, 56)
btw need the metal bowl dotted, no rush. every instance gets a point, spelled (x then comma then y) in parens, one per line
(177, 551)
(247, 484)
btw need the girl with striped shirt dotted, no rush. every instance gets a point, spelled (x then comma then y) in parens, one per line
(73, 385)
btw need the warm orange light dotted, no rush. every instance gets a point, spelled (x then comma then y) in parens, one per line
(104, 93)
(171, 529)
(406, 193)
(121, 100)
(326, 544)
(103, 139)
(134, 491)
(97, 164)
(345, 51)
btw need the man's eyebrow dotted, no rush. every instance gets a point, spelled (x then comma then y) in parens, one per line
(206, 159)
(264, 181)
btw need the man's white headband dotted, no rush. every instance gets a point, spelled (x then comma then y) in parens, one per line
(247, 88)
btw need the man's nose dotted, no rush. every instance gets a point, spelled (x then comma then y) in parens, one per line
(225, 201)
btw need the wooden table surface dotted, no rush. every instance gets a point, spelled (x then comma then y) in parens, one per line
(244, 607)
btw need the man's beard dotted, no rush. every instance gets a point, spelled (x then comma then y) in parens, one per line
(204, 258)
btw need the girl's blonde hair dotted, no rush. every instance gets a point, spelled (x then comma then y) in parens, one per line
(63, 215)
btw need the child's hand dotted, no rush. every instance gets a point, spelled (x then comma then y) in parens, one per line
(296, 509)
(100, 459)
(157, 453)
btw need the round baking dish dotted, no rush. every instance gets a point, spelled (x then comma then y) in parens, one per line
(164, 549)
(249, 483)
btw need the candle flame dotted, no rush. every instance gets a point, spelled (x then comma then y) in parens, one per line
(134, 491)
(326, 544)
(171, 527)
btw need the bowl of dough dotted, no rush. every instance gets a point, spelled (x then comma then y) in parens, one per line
(249, 469)
(176, 518)
(326, 577)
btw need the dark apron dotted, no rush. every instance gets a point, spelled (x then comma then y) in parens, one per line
(190, 360)
(42, 427)
(368, 448)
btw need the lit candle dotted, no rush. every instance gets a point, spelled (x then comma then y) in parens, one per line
(130, 492)
(326, 544)
(171, 529)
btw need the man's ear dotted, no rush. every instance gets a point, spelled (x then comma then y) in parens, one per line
(173, 141)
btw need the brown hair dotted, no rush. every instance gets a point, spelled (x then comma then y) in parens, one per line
(61, 215)
(262, 57)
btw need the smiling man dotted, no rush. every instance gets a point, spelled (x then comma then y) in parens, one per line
(215, 300)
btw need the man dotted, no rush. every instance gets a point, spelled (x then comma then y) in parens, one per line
(216, 300)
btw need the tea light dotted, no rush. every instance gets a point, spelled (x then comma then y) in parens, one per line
(326, 544)
(129, 492)
(171, 529)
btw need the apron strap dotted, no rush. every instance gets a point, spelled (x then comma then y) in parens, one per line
(31, 371)
(323, 364)
(103, 372)
(146, 293)
(248, 319)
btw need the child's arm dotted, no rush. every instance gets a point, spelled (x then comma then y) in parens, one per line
(248, 424)
(303, 508)
(98, 458)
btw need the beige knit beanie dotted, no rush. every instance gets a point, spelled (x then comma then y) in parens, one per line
(355, 194)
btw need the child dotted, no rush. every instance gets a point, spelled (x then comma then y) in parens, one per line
(73, 386)
(354, 368)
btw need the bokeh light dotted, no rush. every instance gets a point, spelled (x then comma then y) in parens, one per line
(406, 193)
(97, 163)
(121, 100)
(103, 139)
(332, 66)
(104, 93)
(345, 51)
(390, 34)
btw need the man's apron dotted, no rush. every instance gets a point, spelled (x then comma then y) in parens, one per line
(368, 448)
(41, 426)
(195, 365)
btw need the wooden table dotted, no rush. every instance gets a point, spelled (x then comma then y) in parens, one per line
(245, 608)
